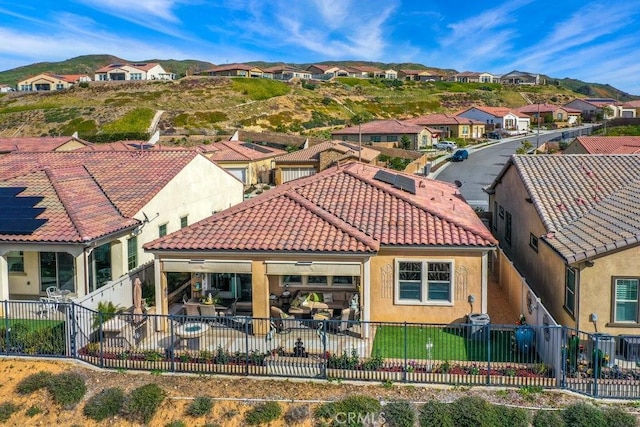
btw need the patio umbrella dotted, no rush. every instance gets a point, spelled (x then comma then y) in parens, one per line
(137, 300)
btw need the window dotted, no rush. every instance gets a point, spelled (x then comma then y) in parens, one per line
(317, 280)
(57, 269)
(345, 138)
(184, 221)
(424, 282)
(162, 230)
(465, 130)
(15, 261)
(59, 86)
(292, 280)
(507, 228)
(100, 266)
(342, 281)
(132, 253)
(392, 138)
(376, 138)
(533, 242)
(626, 300)
(135, 76)
(570, 290)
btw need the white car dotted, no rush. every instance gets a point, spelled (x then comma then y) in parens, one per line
(446, 145)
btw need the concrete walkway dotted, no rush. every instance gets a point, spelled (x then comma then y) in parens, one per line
(498, 307)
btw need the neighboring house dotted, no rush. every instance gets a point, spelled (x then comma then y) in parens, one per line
(366, 71)
(451, 126)
(521, 78)
(50, 82)
(40, 144)
(90, 212)
(386, 133)
(234, 70)
(474, 77)
(604, 145)
(5, 88)
(556, 115)
(593, 109)
(138, 71)
(410, 247)
(287, 72)
(249, 162)
(282, 141)
(324, 72)
(571, 226)
(308, 161)
(418, 75)
(635, 105)
(499, 118)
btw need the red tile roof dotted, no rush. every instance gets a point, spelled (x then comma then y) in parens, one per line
(496, 111)
(312, 154)
(610, 144)
(35, 144)
(441, 119)
(231, 67)
(130, 145)
(340, 210)
(381, 127)
(139, 66)
(130, 179)
(239, 151)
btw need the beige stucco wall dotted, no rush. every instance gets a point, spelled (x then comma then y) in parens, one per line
(285, 165)
(575, 148)
(383, 279)
(71, 145)
(27, 283)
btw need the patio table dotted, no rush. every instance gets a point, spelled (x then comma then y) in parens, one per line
(191, 333)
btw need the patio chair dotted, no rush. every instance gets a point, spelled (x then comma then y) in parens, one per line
(191, 310)
(208, 310)
(45, 304)
(340, 323)
(283, 322)
(52, 293)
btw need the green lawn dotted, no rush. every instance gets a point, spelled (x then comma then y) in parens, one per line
(31, 324)
(448, 344)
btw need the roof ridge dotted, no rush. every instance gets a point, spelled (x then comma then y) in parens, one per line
(334, 220)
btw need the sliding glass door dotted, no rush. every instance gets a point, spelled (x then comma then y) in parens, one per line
(57, 269)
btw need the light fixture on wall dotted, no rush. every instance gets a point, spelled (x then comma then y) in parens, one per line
(471, 299)
(593, 317)
(589, 263)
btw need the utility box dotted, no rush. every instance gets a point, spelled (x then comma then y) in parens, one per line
(478, 326)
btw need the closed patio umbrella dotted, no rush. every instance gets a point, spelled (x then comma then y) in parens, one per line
(137, 300)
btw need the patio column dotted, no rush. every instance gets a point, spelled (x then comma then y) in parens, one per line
(260, 297)
(162, 302)
(4, 282)
(366, 296)
(485, 272)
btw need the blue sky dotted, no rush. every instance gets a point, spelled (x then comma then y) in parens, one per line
(594, 41)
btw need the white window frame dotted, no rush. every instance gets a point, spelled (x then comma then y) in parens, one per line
(305, 283)
(424, 283)
(615, 300)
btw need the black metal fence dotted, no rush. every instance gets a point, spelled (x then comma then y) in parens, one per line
(461, 354)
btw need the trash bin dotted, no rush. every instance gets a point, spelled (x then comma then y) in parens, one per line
(478, 326)
(603, 349)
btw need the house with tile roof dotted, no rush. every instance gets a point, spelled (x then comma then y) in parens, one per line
(282, 141)
(410, 247)
(319, 157)
(418, 75)
(571, 226)
(41, 144)
(51, 81)
(287, 72)
(136, 71)
(92, 211)
(234, 70)
(516, 77)
(604, 145)
(386, 133)
(325, 72)
(5, 88)
(499, 118)
(249, 162)
(555, 116)
(595, 109)
(475, 77)
(450, 125)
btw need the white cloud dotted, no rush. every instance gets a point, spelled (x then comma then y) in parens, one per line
(136, 10)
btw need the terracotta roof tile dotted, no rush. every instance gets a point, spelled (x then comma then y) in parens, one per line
(349, 149)
(342, 209)
(239, 151)
(610, 144)
(441, 119)
(35, 144)
(382, 127)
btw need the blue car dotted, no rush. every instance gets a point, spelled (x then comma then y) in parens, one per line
(460, 155)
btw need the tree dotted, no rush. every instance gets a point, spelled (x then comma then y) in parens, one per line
(524, 148)
(405, 142)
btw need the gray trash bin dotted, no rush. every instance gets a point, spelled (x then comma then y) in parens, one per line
(478, 326)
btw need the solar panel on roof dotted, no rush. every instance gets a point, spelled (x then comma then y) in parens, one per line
(18, 202)
(20, 212)
(385, 176)
(405, 183)
(256, 147)
(11, 191)
(20, 225)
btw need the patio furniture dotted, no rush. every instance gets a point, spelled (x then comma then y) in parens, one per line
(191, 309)
(119, 332)
(284, 322)
(52, 293)
(191, 333)
(45, 305)
(340, 323)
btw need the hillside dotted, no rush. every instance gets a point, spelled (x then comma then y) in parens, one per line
(215, 106)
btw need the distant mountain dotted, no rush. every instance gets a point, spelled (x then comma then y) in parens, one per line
(596, 90)
(88, 64)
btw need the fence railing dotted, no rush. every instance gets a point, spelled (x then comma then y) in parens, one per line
(596, 365)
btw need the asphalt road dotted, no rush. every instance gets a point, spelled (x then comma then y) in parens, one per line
(485, 163)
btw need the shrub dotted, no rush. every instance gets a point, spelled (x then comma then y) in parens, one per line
(399, 414)
(435, 414)
(583, 414)
(143, 402)
(33, 411)
(296, 414)
(6, 410)
(616, 417)
(264, 413)
(511, 417)
(200, 406)
(176, 423)
(548, 419)
(105, 404)
(67, 388)
(34, 382)
(473, 411)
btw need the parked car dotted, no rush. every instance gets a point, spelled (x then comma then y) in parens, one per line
(460, 155)
(446, 145)
(494, 135)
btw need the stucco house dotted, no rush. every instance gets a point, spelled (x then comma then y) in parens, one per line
(234, 70)
(40, 144)
(5, 88)
(604, 145)
(51, 81)
(137, 71)
(90, 212)
(516, 77)
(311, 160)
(250, 163)
(451, 126)
(556, 116)
(499, 118)
(410, 247)
(475, 77)
(418, 75)
(594, 109)
(571, 226)
(324, 71)
(287, 72)
(386, 133)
